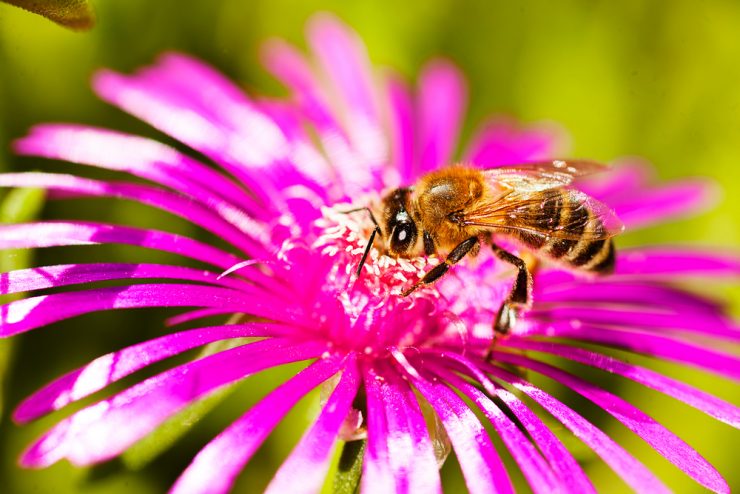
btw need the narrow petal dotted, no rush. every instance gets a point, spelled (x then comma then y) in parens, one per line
(670, 262)
(60, 233)
(286, 63)
(234, 447)
(657, 345)
(634, 473)
(661, 439)
(304, 471)
(33, 312)
(482, 467)
(611, 292)
(356, 142)
(653, 317)
(501, 143)
(657, 204)
(562, 461)
(114, 366)
(202, 84)
(305, 155)
(408, 452)
(538, 473)
(105, 429)
(377, 473)
(623, 179)
(24, 280)
(442, 99)
(210, 93)
(403, 140)
(257, 145)
(711, 405)
(249, 236)
(138, 156)
(344, 59)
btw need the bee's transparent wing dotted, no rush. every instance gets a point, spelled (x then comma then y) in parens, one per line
(541, 175)
(564, 214)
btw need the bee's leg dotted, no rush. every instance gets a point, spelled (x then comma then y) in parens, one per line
(519, 298)
(440, 269)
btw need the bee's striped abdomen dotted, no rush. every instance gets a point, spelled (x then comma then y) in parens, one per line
(559, 211)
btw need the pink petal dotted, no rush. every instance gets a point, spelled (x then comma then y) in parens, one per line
(228, 223)
(667, 347)
(306, 157)
(661, 439)
(33, 312)
(215, 468)
(400, 452)
(657, 204)
(344, 59)
(343, 56)
(24, 280)
(654, 317)
(138, 156)
(500, 142)
(287, 64)
(442, 99)
(305, 469)
(536, 470)
(482, 467)
(60, 233)
(612, 291)
(621, 180)
(203, 85)
(114, 366)
(262, 137)
(354, 143)
(634, 473)
(676, 261)
(402, 136)
(565, 466)
(257, 144)
(377, 473)
(105, 429)
(711, 405)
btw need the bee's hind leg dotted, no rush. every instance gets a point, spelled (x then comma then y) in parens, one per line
(519, 298)
(460, 251)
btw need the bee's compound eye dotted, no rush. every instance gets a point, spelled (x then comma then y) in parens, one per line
(404, 237)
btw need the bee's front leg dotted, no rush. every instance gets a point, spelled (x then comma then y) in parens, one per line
(454, 257)
(519, 298)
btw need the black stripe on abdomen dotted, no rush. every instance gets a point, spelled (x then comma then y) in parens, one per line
(603, 262)
(573, 218)
(543, 216)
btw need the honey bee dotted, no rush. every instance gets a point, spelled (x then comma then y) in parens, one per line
(457, 208)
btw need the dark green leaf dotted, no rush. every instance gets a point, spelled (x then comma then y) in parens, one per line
(74, 14)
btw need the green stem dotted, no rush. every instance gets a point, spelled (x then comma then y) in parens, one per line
(347, 478)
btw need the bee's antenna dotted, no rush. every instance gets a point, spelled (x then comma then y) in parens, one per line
(370, 241)
(367, 250)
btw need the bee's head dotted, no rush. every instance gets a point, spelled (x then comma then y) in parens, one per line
(399, 228)
(396, 227)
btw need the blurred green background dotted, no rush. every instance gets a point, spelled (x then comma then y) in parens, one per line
(660, 80)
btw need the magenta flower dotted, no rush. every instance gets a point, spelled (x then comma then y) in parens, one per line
(284, 172)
